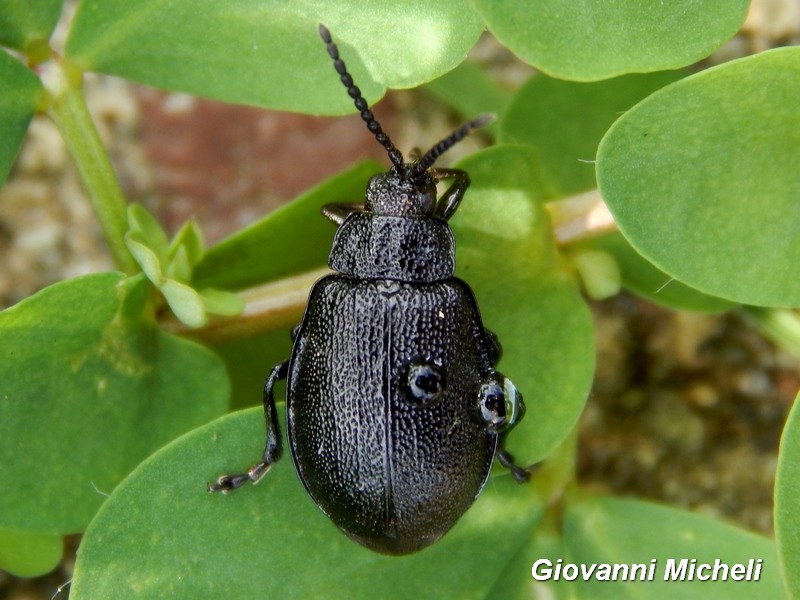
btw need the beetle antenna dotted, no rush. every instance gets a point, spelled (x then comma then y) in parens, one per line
(426, 162)
(366, 114)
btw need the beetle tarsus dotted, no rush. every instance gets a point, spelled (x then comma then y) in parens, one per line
(519, 473)
(273, 448)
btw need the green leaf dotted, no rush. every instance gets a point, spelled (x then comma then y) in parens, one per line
(88, 388)
(599, 271)
(565, 121)
(26, 554)
(607, 530)
(471, 91)
(269, 53)
(642, 278)
(292, 239)
(179, 267)
(506, 253)
(21, 92)
(248, 362)
(597, 39)
(26, 25)
(702, 179)
(269, 540)
(185, 302)
(141, 221)
(219, 302)
(787, 509)
(145, 256)
(190, 238)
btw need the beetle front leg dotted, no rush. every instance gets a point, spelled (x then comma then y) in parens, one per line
(451, 198)
(273, 449)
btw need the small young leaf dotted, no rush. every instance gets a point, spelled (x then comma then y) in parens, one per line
(787, 508)
(21, 92)
(644, 279)
(190, 238)
(140, 220)
(269, 54)
(613, 531)
(27, 554)
(179, 267)
(147, 258)
(597, 39)
(26, 25)
(599, 271)
(185, 302)
(505, 251)
(702, 179)
(259, 253)
(565, 121)
(88, 388)
(276, 519)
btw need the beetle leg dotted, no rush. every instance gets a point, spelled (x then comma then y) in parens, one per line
(495, 349)
(295, 331)
(273, 449)
(519, 473)
(451, 198)
(338, 212)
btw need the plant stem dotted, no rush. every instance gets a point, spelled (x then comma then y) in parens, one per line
(68, 110)
(780, 325)
(580, 217)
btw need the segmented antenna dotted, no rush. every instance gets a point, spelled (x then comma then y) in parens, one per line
(366, 114)
(426, 162)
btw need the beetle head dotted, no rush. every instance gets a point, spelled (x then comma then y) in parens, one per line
(409, 188)
(399, 195)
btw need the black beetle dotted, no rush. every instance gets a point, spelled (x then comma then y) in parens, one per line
(395, 411)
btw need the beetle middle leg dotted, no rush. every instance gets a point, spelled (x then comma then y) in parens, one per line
(273, 449)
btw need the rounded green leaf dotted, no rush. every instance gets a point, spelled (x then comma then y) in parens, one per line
(27, 24)
(292, 239)
(597, 39)
(270, 540)
(787, 507)
(505, 252)
(702, 179)
(21, 92)
(269, 53)
(608, 530)
(88, 388)
(27, 554)
(565, 121)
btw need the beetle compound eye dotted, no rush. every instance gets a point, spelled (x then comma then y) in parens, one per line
(500, 403)
(424, 382)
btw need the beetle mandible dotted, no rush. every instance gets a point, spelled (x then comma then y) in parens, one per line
(395, 411)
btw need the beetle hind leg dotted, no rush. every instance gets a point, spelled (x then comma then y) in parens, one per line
(520, 474)
(273, 448)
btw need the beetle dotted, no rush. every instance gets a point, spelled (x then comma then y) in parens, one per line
(395, 411)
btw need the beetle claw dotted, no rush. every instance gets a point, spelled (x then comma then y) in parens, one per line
(228, 483)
